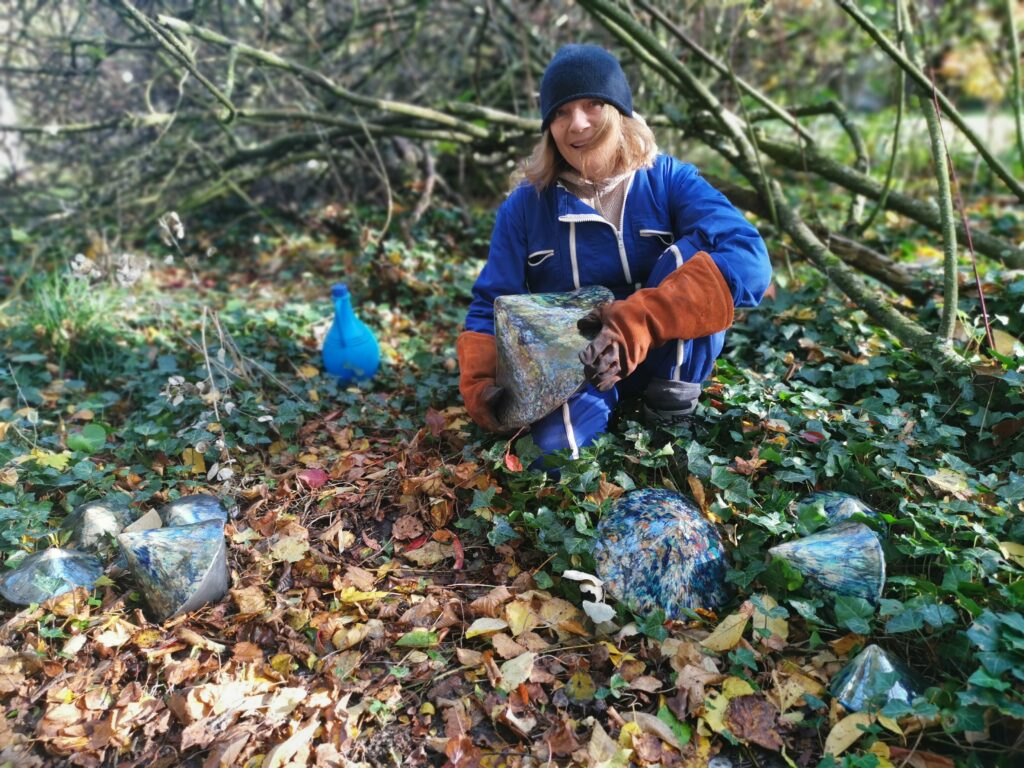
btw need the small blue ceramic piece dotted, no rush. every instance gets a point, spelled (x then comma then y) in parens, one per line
(49, 573)
(539, 349)
(94, 524)
(193, 509)
(846, 559)
(871, 680)
(350, 351)
(833, 507)
(178, 569)
(655, 549)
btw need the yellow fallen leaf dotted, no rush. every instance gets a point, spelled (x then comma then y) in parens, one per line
(485, 626)
(847, 732)
(516, 671)
(728, 633)
(615, 655)
(716, 705)
(769, 630)
(290, 549)
(353, 595)
(520, 618)
(627, 732)
(52, 460)
(950, 481)
(1004, 342)
(889, 724)
(194, 461)
(1012, 551)
(881, 752)
(308, 371)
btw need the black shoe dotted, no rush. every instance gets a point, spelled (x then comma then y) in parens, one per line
(670, 403)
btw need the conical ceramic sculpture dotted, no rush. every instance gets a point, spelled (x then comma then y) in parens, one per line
(178, 569)
(846, 559)
(538, 350)
(872, 679)
(655, 549)
(49, 573)
(193, 509)
(94, 524)
(834, 507)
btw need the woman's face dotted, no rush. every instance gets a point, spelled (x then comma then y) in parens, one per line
(576, 128)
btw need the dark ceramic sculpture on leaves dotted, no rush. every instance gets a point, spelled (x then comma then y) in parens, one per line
(654, 549)
(94, 524)
(834, 507)
(846, 559)
(871, 680)
(193, 509)
(178, 569)
(538, 350)
(49, 573)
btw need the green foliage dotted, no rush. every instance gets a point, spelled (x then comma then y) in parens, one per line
(74, 321)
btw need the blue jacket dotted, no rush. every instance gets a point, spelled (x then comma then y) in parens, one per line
(552, 241)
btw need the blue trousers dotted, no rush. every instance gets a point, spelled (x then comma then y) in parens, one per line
(585, 416)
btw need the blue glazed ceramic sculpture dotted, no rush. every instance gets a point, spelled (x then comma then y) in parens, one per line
(846, 559)
(871, 680)
(538, 350)
(656, 550)
(94, 524)
(193, 509)
(49, 573)
(833, 507)
(178, 569)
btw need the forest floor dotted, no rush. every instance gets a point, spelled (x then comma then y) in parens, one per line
(397, 592)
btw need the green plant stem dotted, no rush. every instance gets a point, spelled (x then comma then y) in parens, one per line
(925, 212)
(1015, 86)
(951, 288)
(901, 86)
(948, 109)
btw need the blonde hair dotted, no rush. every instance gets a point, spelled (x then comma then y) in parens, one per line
(637, 149)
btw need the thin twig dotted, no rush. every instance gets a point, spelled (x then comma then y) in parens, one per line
(940, 154)
(919, 77)
(1015, 89)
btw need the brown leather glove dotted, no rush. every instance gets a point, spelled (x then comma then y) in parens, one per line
(691, 302)
(478, 362)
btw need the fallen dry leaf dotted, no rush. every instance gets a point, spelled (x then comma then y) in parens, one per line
(847, 732)
(753, 719)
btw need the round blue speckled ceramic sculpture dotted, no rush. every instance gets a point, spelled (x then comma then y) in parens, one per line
(194, 508)
(178, 569)
(846, 559)
(833, 507)
(871, 680)
(49, 573)
(656, 550)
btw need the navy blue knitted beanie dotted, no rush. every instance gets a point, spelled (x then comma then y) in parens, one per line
(583, 72)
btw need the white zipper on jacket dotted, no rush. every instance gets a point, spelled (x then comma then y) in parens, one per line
(572, 218)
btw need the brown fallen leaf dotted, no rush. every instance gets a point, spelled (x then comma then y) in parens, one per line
(751, 718)
(918, 758)
(407, 527)
(491, 604)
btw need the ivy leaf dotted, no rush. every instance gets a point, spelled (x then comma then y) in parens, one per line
(90, 440)
(854, 613)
